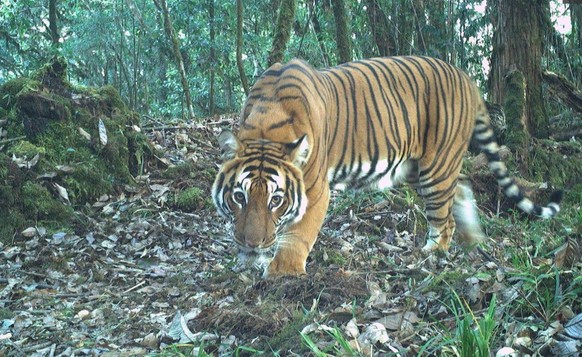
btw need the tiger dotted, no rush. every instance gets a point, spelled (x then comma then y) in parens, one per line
(368, 124)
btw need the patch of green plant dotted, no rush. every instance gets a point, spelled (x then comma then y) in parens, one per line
(335, 257)
(182, 170)
(289, 338)
(339, 347)
(10, 90)
(544, 292)
(190, 199)
(6, 314)
(26, 149)
(473, 336)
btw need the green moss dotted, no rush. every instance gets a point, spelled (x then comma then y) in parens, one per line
(26, 149)
(53, 71)
(40, 204)
(189, 199)
(10, 90)
(182, 170)
(40, 111)
(111, 97)
(516, 136)
(559, 164)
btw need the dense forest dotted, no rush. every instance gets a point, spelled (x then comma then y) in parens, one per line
(144, 48)
(110, 244)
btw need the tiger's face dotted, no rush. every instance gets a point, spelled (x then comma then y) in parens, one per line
(260, 186)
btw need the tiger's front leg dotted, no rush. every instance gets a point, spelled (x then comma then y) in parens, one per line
(296, 242)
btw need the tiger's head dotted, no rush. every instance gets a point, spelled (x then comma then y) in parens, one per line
(260, 186)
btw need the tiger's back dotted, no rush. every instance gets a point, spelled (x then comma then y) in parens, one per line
(370, 123)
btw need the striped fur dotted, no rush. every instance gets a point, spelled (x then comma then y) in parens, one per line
(371, 123)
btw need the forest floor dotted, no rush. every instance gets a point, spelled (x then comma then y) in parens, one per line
(140, 277)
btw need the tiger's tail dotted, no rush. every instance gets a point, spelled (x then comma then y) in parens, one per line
(485, 138)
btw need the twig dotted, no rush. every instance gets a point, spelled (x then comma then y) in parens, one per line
(163, 127)
(134, 287)
(5, 141)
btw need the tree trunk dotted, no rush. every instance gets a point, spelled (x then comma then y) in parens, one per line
(576, 18)
(518, 46)
(380, 28)
(282, 31)
(239, 44)
(169, 29)
(317, 30)
(53, 28)
(343, 38)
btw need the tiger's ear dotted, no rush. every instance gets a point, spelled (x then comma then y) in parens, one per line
(228, 145)
(299, 151)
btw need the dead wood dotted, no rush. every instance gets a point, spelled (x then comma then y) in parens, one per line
(562, 88)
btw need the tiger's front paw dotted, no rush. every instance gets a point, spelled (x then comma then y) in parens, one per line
(281, 266)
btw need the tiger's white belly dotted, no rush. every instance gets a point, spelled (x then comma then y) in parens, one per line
(395, 173)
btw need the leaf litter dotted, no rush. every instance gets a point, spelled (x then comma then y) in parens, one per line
(138, 276)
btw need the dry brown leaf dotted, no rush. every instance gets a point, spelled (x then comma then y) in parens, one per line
(568, 254)
(399, 321)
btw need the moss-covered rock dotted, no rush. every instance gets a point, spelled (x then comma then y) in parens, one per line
(47, 116)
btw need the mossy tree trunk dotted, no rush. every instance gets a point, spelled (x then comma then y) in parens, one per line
(282, 31)
(239, 43)
(514, 103)
(343, 38)
(169, 29)
(518, 47)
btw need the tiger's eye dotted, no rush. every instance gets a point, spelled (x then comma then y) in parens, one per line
(239, 198)
(276, 201)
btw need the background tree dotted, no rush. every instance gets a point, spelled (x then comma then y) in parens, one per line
(53, 26)
(343, 35)
(123, 43)
(516, 65)
(169, 29)
(282, 31)
(239, 45)
(380, 28)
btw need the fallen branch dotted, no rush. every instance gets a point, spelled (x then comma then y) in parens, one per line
(563, 89)
(567, 134)
(5, 141)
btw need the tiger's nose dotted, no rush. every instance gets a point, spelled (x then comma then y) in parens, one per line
(253, 242)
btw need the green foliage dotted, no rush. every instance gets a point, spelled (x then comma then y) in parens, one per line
(339, 347)
(473, 336)
(190, 199)
(125, 46)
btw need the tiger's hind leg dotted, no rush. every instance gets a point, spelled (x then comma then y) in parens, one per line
(439, 213)
(466, 216)
(438, 187)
